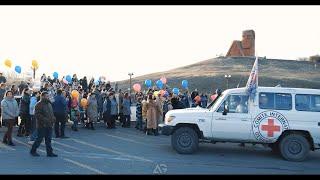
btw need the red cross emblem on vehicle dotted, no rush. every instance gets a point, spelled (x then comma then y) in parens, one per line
(270, 127)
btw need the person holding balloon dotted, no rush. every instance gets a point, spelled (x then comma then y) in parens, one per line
(152, 116)
(60, 112)
(83, 107)
(75, 113)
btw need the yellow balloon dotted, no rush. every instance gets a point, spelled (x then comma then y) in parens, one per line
(8, 63)
(35, 64)
(156, 93)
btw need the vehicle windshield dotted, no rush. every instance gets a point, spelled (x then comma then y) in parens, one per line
(214, 102)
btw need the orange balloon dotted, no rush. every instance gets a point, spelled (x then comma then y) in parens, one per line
(162, 92)
(84, 102)
(75, 94)
(197, 98)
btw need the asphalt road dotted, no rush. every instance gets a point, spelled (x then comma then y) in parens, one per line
(128, 151)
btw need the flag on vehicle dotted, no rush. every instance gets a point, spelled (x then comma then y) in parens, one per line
(252, 83)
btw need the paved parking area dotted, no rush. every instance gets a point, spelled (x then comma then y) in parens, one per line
(128, 151)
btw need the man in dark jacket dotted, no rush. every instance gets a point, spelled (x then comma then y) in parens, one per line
(45, 120)
(84, 84)
(25, 124)
(185, 100)
(60, 112)
(177, 103)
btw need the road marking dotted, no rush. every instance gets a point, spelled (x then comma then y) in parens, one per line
(66, 145)
(28, 145)
(69, 160)
(126, 139)
(145, 136)
(155, 145)
(112, 151)
(84, 166)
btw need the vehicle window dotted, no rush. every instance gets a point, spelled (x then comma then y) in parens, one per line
(283, 101)
(221, 108)
(302, 102)
(235, 104)
(315, 103)
(266, 100)
(305, 102)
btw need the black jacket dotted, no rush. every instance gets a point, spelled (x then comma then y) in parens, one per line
(24, 104)
(44, 114)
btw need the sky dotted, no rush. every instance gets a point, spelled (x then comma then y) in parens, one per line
(115, 40)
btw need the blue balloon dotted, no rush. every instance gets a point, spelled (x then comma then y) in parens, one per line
(159, 84)
(55, 75)
(68, 78)
(18, 69)
(148, 83)
(185, 84)
(175, 91)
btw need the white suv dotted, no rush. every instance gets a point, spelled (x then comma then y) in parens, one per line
(285, 119)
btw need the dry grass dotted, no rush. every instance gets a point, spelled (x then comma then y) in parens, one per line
(209, 74)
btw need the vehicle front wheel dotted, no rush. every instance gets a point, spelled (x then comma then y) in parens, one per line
(294, 147)
(185, 140)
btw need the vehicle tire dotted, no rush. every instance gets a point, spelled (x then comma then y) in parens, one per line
(294, 147)
(185, 140)
(275, 148)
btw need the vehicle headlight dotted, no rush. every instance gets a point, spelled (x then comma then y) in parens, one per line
(169, 119)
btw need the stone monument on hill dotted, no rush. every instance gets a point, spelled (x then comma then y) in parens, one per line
(245, 47)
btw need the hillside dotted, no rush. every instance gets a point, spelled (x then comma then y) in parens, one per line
(209, 74)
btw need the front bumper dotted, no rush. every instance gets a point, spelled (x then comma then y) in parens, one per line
(166, 129)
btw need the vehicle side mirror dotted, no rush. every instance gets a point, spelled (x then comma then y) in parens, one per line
(225, 110)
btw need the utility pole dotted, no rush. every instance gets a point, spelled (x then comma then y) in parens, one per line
(227, 76)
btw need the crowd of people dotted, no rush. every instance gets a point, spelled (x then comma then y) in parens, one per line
(46, 110)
